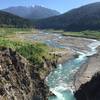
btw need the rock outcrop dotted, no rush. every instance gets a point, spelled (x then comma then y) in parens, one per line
(19, 80)
(89, 90)
(87, 83)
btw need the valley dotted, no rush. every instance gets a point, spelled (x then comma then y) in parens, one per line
(76, 51)
(46, 54)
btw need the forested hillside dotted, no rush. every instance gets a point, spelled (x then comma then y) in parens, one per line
(10, 20)
(83, 18)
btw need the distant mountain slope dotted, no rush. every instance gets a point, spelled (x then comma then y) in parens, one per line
(7, 19)
(36, 12)
(83, 18)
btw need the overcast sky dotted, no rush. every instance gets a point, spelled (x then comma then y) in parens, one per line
(60, 5)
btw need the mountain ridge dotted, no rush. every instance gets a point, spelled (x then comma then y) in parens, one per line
(36, 12)
(83, 18)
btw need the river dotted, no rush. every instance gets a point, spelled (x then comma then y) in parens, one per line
(60, 80)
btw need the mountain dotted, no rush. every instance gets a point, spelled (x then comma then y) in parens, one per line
(7, 19)
(84, 18)
(36, 12)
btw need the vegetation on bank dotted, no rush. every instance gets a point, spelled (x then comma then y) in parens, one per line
(4, 32)
(85, 34)
(32, 52)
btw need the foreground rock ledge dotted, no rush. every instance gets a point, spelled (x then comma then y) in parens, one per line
(87, 81)
(89, 90)
(18, 79)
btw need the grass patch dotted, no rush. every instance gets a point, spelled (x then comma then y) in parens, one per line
(32, 52)
(86, 34)
(11, 31)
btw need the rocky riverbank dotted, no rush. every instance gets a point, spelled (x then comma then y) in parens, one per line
(20, 80)
(64, 55)
(86, 85)
(88, 70)
(90, 90)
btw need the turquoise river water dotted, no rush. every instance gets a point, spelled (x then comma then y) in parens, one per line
(61, 79)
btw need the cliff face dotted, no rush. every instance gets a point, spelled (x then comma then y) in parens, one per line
(89, 90)
(19, 80)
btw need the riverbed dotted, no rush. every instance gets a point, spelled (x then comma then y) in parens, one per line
(60, 80)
